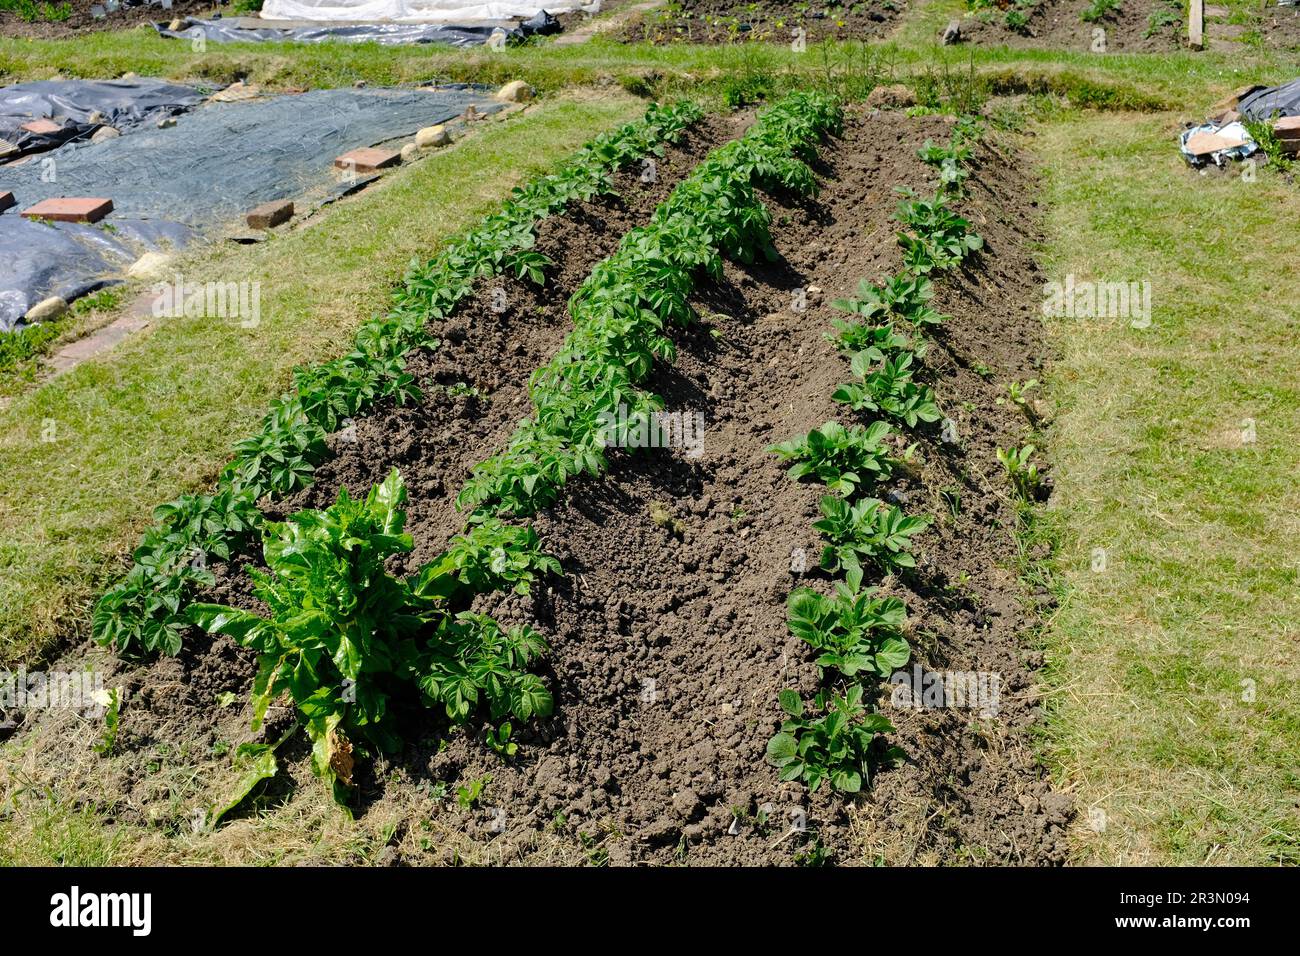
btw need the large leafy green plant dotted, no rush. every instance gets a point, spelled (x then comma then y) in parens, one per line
(344, 637)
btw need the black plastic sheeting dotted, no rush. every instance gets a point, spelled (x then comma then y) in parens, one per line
(71, 259)
(1262, 103)
(388, 34)
(204, 173)
(125, 104)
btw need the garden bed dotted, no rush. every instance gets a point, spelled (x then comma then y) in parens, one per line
(730, 21)
(668, 631)
(1131, 26)
(57, 19)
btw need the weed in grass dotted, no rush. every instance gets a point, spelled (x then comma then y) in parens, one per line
(112, 703)
(1021, 470)
(468, 796)
(1265, 138)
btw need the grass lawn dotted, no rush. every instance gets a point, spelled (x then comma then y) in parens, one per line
(1112, 80)
(1176, 714)
(86, 457)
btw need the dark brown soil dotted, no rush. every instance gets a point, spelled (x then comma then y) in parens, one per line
(669, 649)
(776, 21)
(80, 20)
(1056, 24)
(1280, 27)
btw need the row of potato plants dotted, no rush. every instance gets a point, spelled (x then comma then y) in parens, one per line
(857, 632)
(623, 312)
(144, 612)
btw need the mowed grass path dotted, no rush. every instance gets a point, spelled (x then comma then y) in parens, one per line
(85, 458)
(1176, 712)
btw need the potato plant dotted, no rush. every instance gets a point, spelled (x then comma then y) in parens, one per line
(889, 388)
(934, 237)
(843, 459)
(833, 747)
(346, 640)
(866, 530)
(856, 630)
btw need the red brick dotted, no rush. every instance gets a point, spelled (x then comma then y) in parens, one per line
(7, 200)
(70, 210)
(42, 126)
(270, 214)
(368, 160)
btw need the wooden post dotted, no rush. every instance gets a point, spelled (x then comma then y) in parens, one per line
(1196, 24)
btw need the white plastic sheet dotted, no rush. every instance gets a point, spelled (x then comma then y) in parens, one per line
(410, 11)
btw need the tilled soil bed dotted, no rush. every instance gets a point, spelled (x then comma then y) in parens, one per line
(1135, 26)
(79, 18)
(729, 21)
(668, 633)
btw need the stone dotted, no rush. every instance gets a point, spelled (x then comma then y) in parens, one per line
(105, 133)
(149, 264)
(270, 214)
(96, 118)
(46, 309)
(79, 209)
(7, 200)
(368, 159)
(409, 152)
(167, 122)
(895, 95)
(432, 136)
(239, 90)
(516, 91)
(952, 33)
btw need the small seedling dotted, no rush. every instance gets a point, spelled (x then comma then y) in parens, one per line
(499, 740)
(469, 795)
(1021, 470)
